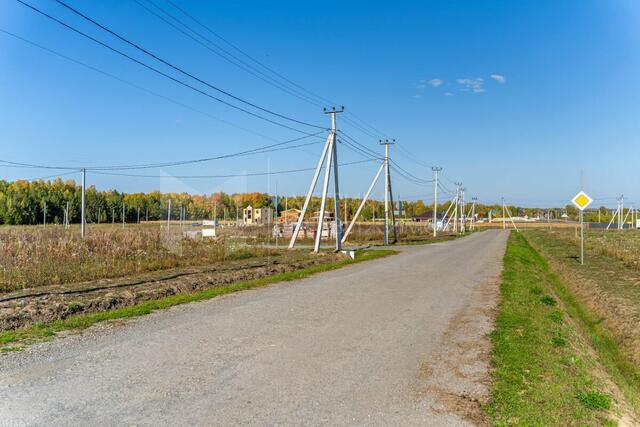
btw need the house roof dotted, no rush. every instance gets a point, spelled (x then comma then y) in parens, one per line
(427, 215)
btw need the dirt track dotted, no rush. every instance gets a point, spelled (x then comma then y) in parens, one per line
(399, 341)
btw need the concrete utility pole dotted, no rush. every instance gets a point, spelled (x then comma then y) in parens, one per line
(66, 216)
(436, 171)
(504, 216)
(330, 154)
(123, 214)
(473, 213)
(620, 220)
(463, 216)
(169, 215)
(387, 193)
(457, 202)
(83, 203)
(505, 211)
(362, 204)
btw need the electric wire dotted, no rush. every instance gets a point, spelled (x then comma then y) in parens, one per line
(134, 85)
(223, 53)
(180, 70)
(281, 172)
(155, 70)
(362, 146)
(358, 150)
(407, 172)
(259, 150)
(233, 46)
(376, 131)
(408, 178)
(58, 175)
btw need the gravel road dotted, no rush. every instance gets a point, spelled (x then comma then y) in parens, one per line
(398, 341)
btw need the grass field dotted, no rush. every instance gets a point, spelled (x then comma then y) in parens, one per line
(608, 283)
(33, 256)
(556, 361)
(545, 372)
(16, 339)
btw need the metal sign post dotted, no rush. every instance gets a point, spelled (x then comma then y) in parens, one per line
(581, 201)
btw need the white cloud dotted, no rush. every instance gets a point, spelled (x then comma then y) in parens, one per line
(473, 85)
(448, 94)
(421, 86)
(436, 82)
(499, 78)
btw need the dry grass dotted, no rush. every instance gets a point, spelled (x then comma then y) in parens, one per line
(32, 256)
(608, 283)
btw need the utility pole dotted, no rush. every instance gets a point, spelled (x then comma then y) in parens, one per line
(330, 154)
(436, 171)
(44, 213)
(504, 216)
(66, 216)
(362, 204)
(346, 208)
(473, 213)
(387, 192)
(123, 214)
(457, 202)
(83, 203)
(138, 220)
(169, 215)
(622, 212)
(463, 214)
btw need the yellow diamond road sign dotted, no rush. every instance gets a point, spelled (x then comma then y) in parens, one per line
(582, 200)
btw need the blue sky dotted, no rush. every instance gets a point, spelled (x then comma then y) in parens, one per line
(513, 99)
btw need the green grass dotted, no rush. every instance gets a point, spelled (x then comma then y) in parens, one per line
(595, 400)
(42, 331)
(543, 370)
(610, 277)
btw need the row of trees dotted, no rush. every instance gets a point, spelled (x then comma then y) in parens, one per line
(25, 202)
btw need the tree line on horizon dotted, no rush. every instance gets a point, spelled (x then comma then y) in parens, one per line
(25, 203)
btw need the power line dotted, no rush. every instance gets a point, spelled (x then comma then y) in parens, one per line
(408, 173)
(376, 131)
(53, 176)
(207, 28)
(363, 147)
(134, 85)
(180, 70)
(155, 70)
(224, 176)
(408, 178)
(260, 150)
(410, 156)
(223, 53)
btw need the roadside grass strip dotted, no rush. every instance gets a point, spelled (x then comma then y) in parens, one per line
(607, 276)
(14, 340)
(544, 371)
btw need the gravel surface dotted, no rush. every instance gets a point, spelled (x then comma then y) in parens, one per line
(398, 341)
